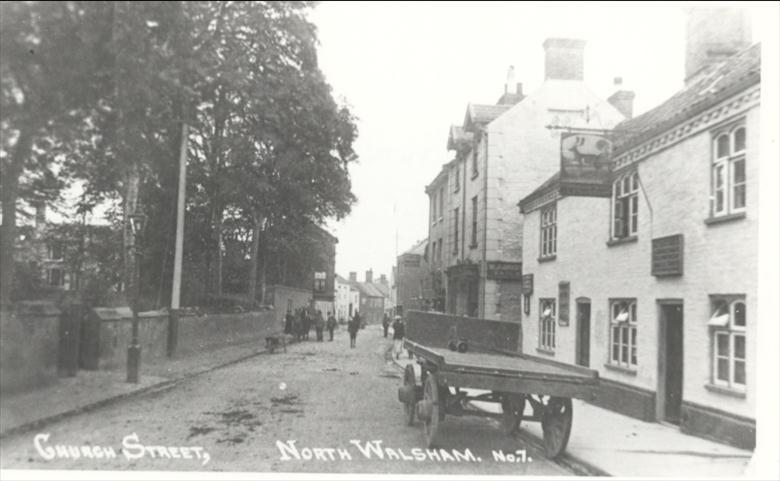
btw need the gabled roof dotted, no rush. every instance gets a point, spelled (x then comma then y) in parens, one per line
(368, 289)
(737, 73)
(383, 289)
(417, 249)
(459, 138)
(481, 114)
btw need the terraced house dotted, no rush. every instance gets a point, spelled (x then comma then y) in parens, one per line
(654, 282)
(502, 152)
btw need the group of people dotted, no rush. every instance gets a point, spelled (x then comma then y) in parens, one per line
(300, 323)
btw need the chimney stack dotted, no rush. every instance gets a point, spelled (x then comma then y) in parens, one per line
(369, 276)
(623, 100)
(353, 276)
(383, 279)
(563, 59)
(712, 35)
(513, 91)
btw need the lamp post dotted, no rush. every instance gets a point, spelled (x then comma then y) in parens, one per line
(137, 224)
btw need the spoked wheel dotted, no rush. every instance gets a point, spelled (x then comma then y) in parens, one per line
(512, 405)
(409, 407)
(429, 412)
(556, 425)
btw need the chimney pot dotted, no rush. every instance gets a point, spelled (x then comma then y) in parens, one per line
(563, 59)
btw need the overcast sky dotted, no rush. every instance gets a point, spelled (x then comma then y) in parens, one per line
(408, 70)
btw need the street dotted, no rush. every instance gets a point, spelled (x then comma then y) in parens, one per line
(320, 407)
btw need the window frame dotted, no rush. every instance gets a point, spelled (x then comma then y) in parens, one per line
(625, 206)
(548, 231)
(723, 171)
(731, 332)
(627, 337)
(546, 332)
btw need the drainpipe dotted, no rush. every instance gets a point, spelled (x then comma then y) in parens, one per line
(485, 229)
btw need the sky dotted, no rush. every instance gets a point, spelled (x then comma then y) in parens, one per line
(408, 71)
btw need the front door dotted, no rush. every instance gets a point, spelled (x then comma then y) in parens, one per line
(673, 361)
(583, 333)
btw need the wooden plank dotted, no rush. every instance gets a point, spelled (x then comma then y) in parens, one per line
(435, 330)
(519, 385)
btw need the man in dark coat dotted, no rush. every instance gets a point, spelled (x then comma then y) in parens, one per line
(319, 325)
(386, 323)
(331, 325)
(353, 328)
(398, 336)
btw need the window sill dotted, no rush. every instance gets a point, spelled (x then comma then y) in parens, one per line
(545, 259)
(622, 240)
(545, 351)
(474, 175)
(725, 391)
(623, 369)
(712, 220)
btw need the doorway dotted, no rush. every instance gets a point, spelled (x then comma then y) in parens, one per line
(583, 332)
(670, 361)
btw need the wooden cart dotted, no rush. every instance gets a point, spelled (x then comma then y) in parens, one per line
(512, 380)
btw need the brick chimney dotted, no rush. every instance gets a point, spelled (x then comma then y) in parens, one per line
(712, 35)
(513, 91)
(563, 59)
(369, 275)
(623, 100)
(353, 276)
(383, 279)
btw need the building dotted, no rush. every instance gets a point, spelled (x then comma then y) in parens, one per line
(373, 297)
(413, 279)
(347, 299)
(324, 272)
(654, 284)
(502, 153)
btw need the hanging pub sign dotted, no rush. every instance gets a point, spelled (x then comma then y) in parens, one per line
(585, 164)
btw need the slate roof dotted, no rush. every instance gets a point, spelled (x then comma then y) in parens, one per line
(417, 249)
(484, 114)
(735, 74)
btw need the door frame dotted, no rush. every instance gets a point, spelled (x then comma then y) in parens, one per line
(660, 396)
(578, 336)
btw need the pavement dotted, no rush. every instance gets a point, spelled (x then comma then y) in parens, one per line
(89, 390)
(605, 443)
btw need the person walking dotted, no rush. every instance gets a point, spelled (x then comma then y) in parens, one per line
(353, 327)
(386, 323)
(398, 336)
(288, 323)
(320, 326)
(297, 326)
(331, 325)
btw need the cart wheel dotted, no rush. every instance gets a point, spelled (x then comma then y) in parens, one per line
(431, 394)
(556, 425)
(409, 407)
(512, 405)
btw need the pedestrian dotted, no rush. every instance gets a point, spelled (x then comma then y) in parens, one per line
(331, 324)
(298, 325)
(353, 327)
(398, 336)
(288, 323)
(306, 324)
(386, 323)
(319, 325)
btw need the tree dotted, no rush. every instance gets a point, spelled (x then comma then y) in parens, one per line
(50, 73)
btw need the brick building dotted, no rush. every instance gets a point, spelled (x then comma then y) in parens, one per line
(502, 153)
(413, 279)
(654, 285)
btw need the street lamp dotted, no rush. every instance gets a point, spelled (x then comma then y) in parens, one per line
(137, 225)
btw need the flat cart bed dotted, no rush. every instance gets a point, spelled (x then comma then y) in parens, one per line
(449, 378)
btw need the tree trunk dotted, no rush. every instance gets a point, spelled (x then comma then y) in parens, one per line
(10, 182)
(252, 288)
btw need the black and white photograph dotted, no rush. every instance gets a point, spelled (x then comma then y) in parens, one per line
(389, 240)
